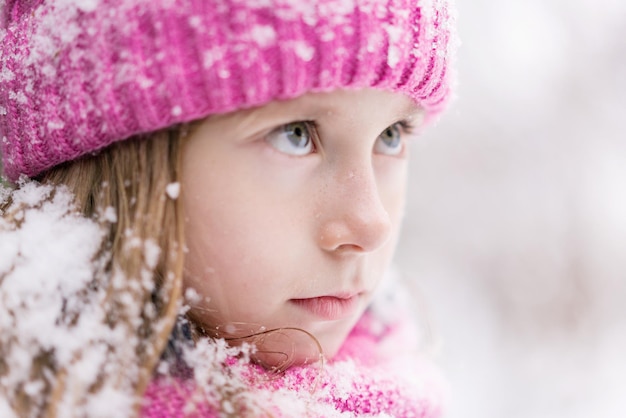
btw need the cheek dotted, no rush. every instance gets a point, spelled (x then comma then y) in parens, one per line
(392, 188)
(224, 263)
(239, 234)
(221, 234)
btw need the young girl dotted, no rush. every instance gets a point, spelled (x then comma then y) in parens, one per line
(206, 196)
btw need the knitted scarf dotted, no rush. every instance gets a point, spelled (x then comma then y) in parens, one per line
(378, 372)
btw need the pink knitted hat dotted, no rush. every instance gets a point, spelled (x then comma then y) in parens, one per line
(78, 75)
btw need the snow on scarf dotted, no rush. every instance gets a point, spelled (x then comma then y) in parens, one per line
(378, 372)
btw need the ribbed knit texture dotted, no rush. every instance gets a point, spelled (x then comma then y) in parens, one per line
(77, 75)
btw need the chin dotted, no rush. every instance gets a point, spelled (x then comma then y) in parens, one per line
(280, 349)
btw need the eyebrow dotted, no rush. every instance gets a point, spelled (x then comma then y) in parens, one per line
(312, 109)
(412, 111)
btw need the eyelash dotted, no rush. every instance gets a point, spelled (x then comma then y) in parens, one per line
(312, 128)
(408, 128)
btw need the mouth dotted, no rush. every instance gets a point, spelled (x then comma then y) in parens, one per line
(329, 308)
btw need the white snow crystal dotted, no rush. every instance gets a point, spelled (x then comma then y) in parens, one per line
(192, 296)
(151, 253)
(55, 125)
(18, 96)
(263, 35)
(195, 22)
(394, 33)
(173, 190)
(83, 5)
(228, 407)
(304, 51)
(109, 215)
(5, 409)
(101, 404)
(177, 110)
(6, 75)
(145, 83)
(31, 194)
(213, 55)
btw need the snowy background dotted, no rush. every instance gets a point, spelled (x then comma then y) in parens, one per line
(516, 225)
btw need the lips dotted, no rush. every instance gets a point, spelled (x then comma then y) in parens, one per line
(329, 308)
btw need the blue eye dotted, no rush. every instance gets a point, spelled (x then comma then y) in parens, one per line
(390, 141)
(292, 139)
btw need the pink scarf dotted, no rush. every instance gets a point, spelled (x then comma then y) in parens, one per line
(378, 372)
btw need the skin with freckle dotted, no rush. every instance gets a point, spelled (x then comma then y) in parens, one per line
(277, 239)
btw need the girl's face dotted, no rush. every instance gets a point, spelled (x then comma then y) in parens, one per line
(292, 213)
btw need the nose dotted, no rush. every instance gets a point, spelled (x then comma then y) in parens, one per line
(355, 217)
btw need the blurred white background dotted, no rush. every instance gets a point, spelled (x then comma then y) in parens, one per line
(516, 225)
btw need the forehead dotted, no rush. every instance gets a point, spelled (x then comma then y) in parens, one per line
(346, 102)
(350, 108)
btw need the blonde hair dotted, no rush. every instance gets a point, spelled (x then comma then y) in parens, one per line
(130, 177)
